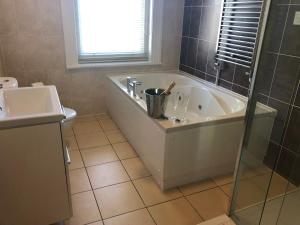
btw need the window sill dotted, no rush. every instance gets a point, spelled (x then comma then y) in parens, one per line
(112, 65)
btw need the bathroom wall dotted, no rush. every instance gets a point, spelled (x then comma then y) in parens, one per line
(199, 37)
(32, 48)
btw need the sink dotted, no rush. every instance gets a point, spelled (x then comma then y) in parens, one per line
(29, 106)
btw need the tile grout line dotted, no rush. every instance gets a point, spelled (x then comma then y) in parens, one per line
(131, 181)
(277, 57)
(90, 183)
(185, 197)
(121, 214)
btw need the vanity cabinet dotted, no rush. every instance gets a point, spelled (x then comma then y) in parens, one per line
(34, 186)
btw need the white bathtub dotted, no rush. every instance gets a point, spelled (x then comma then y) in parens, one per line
(203, 144)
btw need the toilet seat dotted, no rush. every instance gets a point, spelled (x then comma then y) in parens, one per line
(70, 114)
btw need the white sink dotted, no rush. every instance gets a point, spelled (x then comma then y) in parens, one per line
(29, 105)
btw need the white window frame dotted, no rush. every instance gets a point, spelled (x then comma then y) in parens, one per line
(71, 37)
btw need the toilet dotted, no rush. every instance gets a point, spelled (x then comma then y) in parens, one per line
(68, 121)
(69, 113)
(8, 82)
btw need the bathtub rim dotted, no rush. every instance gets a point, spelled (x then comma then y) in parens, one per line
(169, 126)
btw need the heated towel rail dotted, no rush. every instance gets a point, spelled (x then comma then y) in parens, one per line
(238, 33)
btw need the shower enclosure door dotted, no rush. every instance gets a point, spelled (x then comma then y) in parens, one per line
(266, 189)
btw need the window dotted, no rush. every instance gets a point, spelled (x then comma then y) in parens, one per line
(112, 32)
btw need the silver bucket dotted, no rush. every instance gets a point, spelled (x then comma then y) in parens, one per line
(156, 103)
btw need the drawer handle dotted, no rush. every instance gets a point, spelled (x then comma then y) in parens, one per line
(67, 156)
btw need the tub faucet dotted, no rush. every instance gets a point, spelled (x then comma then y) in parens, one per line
(132, 83)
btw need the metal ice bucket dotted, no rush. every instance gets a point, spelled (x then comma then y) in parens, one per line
(156, 103)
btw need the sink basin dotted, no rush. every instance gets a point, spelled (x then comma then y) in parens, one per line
(29, 106)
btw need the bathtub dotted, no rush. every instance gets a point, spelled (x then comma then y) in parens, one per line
(199, 140)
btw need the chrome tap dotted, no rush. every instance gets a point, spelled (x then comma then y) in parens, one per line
(132, 84)
(135, 83)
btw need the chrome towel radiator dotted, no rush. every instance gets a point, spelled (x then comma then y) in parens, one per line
(238, 33)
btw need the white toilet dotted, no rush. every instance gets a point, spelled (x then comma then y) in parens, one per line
(8, 82)
(68, 122)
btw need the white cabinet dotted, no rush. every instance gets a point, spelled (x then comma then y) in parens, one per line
(33, 176)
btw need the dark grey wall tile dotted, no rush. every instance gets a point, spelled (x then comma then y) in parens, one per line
(275, 2)
(240, 90)
(191, 52)
(265, 73)
(280, 120)
(285, 79)
(210, 78)
(199, 74)
(241, 77)
(285, 163)
(295, 175)
(209, 2)
(195, 21)
(188, 2)
(295, 2)
(210, 69)
(292, 137)
(275, 27)
(272, 154)
(186, 21)
(261, 98)
(209, 24)
(202, 55)
(197, 2)
(187, 69)
(227, 72)
(184, 48)
(297, 101)
(225, 84)
(291, 33)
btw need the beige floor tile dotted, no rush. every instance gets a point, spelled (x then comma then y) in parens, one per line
(96, 223)
(79, 181)
(118, 199)
(76, 160)
(139, 217)
(85, 118)
(108, 124)
(92, 140)
(176, 212)
(98, 155)
(102, 116)
(85, 209)
(107, 174)
(249, 193)
(68, 132)
(124, 150)
(86, 127)
(227, 188)
(210, 203)
(246, 171)
(197, 187)
(115, 136)
(71, 143)
(152, 194)
(135, 168)
(224, 179)
(278, 185)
